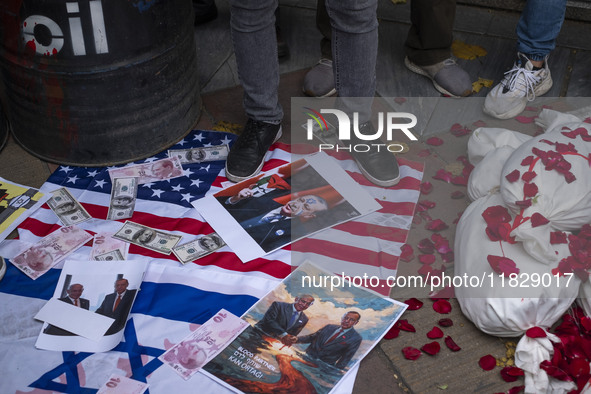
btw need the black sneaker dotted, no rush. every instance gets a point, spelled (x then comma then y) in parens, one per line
(378, 165)
(248, 152)
(205, 11)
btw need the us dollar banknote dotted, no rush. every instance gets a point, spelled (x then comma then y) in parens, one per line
(147, 237)
(198, 155)
(198, 248)
(123, 196)
(67, 208)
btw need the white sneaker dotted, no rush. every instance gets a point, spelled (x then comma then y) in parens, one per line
(521, 84)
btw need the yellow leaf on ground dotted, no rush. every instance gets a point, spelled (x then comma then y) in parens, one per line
(228, 127)
(398, 1)
(462, 50)
(481, 83)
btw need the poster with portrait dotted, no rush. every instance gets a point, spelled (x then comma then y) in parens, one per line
(309, 332)
(273, 209)
(90, 296)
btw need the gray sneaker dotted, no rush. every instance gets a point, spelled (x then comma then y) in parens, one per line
(521, 84)
(319, 81)
(447, 77)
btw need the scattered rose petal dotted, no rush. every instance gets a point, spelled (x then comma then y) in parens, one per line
(538, 219)
(442, 306)
(557, 237)
(406, 253)
(411, 353)
(496, 214)
(511, 374)
(436, 225)
(446, 292)
(400, 100)
(443, 175)
(424, 153)
(487, 362)
(426, 246)
(479, 123)
(431, 348)
(426, 204)
(530, 189)
(435, 333)
(460, 180)
(525, 119)
(435, 141)
(554, 371)
(536, 332)
(404, 325)
(425, 270)
(578, 367)
(441, 243)
(459, 131)
(457, 195)
(427, 259)
(426, 187)
(451, 344)
(527, 161)
(502, 265)
(413, 304)
(516, 390)
(524, 203)
(528, 176)
(445, 322)
(392, 333)
(447, 257)
(512, 176)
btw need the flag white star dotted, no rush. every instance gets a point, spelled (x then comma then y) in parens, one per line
(112, 167)
(187, 172)
(72, 179)
(66, 169)
(150, 159)
(196, 182)
(177, 188)
(198, 137)
(148, 185)
(100, 183)
(93, 173)
(226, 140)
(206, 168)
(181, 142)
(186, 197)
(207, 145)
(157, 192)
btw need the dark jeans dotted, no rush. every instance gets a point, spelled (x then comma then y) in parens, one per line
(429, 38)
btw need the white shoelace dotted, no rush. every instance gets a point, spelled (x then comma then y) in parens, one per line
(525, 84)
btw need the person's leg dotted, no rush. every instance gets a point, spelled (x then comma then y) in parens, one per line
(428, 46)
(252, 25)
(537, 30)
(319, 81)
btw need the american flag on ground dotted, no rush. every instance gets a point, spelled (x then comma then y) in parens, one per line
(174, 298)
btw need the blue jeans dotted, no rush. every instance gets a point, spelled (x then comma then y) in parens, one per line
(538, 27)
(354, 43)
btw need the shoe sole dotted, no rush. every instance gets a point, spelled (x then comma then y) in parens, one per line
(376, 181)
(417, 70)
(311, 94)
(236, 178)
(542, 89)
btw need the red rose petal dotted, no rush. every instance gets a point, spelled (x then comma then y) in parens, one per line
(524, 203)
(411, 353)
(427, 259)
(516, 390)
(424, 153)
(392, 333)
(442, 306)
(502, 265)
(528, 176)
(445, 292)
(406, 253)
(451, 344)
(436, 225)
(445, 322)
(431, 348)
(443, 175)
(435, 141)
(426, 246)
(426, 187)
(460, 180)
(557, 237)
(554, 371)
(457, 195)
(487, 362)
(511, 374)
(400, 100)
(536, 332)
(496, 214)
(538, 219)
(525, 119)
(530, 189)
(435, 333)
(404, 325)
(513, 176)
(425, 270)
(578, 367)
(413, 304)
(527, 161)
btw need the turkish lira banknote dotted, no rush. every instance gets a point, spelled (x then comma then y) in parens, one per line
(67, 208)
(106, 248)
(39, 258)
(203, 344)
(118, 384)
(147, 237)
(154, 171)
(198, 248)
(123, 195)
(198, 155)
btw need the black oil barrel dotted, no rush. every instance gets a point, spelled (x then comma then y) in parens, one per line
(3, 129)
(98, 82)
